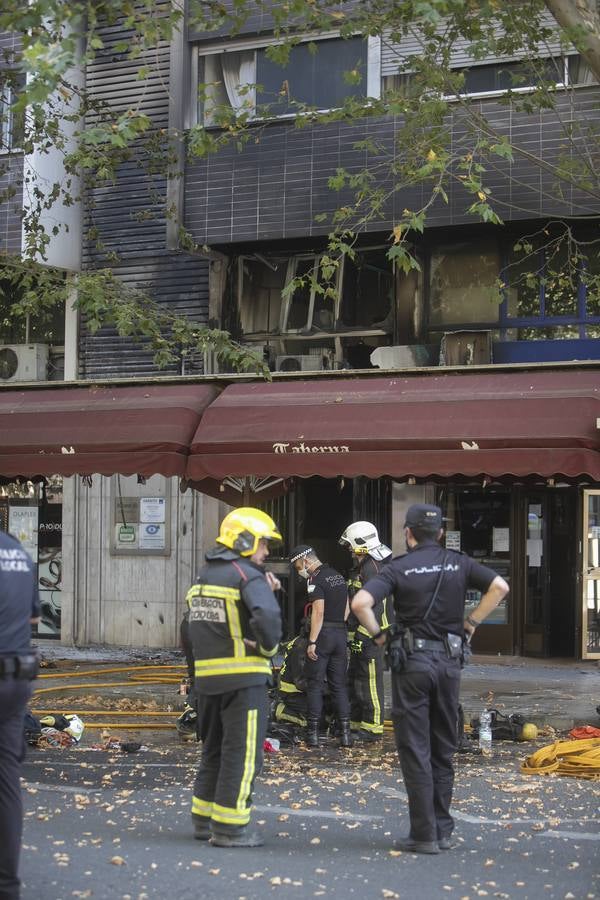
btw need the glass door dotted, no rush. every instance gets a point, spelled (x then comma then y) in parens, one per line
(536, 624)
(591, 576)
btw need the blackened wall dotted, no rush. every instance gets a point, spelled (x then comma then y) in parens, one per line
(126, 221)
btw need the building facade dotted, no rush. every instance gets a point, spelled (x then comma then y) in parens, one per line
(130, 541)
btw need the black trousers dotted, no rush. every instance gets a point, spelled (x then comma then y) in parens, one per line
(365, 677)
(425, 700)
(232, 729)
(14, 696)
(332, 663)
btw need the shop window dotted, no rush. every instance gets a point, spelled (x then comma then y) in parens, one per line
(464, 284)
(478, 523)
(320, 74)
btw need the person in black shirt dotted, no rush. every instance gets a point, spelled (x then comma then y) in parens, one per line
(19, 609)
(327, 652)
(425, 685)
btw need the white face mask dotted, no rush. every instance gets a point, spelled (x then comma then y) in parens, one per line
(303, 572)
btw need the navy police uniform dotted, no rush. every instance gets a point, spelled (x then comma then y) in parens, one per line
(332, 656)
(365, 673)
(229, 604)
(19, 603)
(425, 695)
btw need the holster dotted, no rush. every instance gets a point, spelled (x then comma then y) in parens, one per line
(454, 645)
(398, 648)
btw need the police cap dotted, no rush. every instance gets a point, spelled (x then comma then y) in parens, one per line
(424, 515)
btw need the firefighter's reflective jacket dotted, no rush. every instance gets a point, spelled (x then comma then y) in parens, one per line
(231, 603)
(292, 675)
(384, 610)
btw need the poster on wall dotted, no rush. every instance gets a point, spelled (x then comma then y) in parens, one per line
(152, 510)
(50, 569)
(23, 524)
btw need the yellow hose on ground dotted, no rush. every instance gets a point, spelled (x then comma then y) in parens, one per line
(579, 758)
(107, 671)
(103, 712)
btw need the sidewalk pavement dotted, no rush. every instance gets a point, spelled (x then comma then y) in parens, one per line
(558, 693)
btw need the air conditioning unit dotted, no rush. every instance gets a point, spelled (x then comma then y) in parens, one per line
(312, 362)
(23, 362)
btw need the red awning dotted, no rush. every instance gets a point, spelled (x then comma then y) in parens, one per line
(497, 424)
(63, 430)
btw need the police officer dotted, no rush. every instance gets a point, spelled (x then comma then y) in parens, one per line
(429, 586)
(19, 609)
(235, 628)
(326, 651)
(365, 674)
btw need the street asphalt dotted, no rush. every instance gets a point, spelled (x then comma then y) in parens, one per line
(111, 825)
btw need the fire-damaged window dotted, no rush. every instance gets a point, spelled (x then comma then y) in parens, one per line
(301, 305)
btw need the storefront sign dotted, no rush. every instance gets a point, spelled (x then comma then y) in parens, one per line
(306, 448)
(453, 540)
(126, 534)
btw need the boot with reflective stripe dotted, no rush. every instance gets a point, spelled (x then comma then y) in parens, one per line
(312, 733)
(345, 735)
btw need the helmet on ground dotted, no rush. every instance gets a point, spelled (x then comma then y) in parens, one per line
(362, 539)
(242, 529)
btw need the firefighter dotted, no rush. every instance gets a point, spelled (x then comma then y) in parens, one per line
(235, 628)
(326, 649)
(291, 693)
(365, 672)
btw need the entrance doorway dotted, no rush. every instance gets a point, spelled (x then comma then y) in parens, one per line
(549, 572)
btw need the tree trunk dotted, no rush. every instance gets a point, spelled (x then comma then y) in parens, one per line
(584, 14)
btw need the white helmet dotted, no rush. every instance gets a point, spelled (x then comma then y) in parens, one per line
(363, 540)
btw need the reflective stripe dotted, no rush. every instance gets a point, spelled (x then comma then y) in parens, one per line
(235, 628)
(368, 726)
(374, 695)
(268, 653)
(201, 807)
(228, 816)
(286, 687)
(211, 590)
(249, 762)
(282, 715)
(231, 666)
(362, 630)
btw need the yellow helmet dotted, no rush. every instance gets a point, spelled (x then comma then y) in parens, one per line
(242, 529)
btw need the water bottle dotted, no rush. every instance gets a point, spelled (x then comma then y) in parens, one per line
(485, 733)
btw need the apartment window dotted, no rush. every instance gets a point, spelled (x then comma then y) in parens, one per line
(45, 327)
(11, 122)
(464, 285)
(505, 76)
(319, 74)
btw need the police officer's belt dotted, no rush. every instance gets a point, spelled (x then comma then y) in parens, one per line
(334, 624)
(24, 668)
(422, 644)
